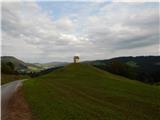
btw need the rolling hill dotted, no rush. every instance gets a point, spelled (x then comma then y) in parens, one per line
(13, 68)
(145, 68)
(18, 64)
(51, 64)
(83, 92)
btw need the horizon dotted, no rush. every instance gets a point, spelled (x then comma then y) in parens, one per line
(71, 61)
(51, 31)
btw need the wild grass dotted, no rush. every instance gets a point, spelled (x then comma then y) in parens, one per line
(6, 78)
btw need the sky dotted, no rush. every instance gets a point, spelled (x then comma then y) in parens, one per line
(39, 31)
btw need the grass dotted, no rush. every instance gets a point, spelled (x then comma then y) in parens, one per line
(6, 78)
(132, 64)
(34, 69)
(82, 92)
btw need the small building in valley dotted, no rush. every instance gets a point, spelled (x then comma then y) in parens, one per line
(76, 59)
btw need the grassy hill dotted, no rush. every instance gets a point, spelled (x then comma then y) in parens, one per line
(82, 92)
(9, 66)
(18, 64)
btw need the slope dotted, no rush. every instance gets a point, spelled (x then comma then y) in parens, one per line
(9, 67)
(18, 64)
(143, 68)
(82, 92)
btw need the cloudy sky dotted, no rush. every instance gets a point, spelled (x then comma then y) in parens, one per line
(56, 31)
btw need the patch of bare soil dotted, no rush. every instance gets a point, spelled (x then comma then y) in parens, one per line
(18, 108)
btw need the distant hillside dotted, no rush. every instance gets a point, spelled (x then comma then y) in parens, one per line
(19, 65)
(10, 67)
(51, 64)
(14, 69)
(83, 92)
(14, 62)
(143, 68)
(141, 60)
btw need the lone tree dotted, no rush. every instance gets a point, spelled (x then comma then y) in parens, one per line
(76, 59)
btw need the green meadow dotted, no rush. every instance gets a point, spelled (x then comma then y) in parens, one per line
(82, 92)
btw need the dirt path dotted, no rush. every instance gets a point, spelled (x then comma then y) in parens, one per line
(13, 104)
(18, 108)
(7, 91)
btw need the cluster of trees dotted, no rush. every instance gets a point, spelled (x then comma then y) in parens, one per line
(147, 74)
(8, 68)
(118, 68)
(45, 71)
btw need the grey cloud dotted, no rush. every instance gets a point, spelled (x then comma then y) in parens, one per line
(138, 29)
(137, 42)
(94, 36)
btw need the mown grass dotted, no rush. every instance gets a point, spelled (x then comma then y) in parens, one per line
(82, 92)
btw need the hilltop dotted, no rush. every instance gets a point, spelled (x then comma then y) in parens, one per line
(83, 92)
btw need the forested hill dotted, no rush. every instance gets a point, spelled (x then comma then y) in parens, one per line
(142, 68)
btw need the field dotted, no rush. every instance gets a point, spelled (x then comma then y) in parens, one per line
(82, 92)
(6, 78)
(34, 69)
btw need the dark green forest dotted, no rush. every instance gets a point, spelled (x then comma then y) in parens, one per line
(142, 68)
